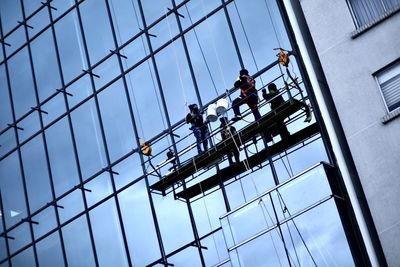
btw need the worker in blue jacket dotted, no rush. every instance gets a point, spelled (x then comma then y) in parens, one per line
(198, 126)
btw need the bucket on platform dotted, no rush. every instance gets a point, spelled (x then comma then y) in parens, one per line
(212, 113)
(222, 106)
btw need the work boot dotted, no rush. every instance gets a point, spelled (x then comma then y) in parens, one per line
(308, 117)
(236, 118)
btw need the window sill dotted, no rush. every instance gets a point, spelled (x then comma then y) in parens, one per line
(391, 116)
(373, 23)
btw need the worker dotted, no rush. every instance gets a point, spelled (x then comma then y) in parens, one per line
(275, 100)
(198, 126)
(248, 95)
(172, 159)
(228, 131)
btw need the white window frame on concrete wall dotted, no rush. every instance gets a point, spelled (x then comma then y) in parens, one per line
(388, 80)
(367, 12)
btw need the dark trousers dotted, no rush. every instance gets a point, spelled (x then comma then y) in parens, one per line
(251, 101)
(202, 135)
(235, 154)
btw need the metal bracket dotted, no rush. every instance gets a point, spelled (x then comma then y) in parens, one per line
(62, 90)
(25, 24)
(39, 109)
(15, 126)
(176, 12)
(116, 52)
(91, 73)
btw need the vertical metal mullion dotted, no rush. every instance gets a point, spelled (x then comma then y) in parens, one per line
(160, 90)
(20, 156)
(169, 123)
(192, 220)
(3, 220)
(307, 83)
(228, 19)
(135, 130)
(3, 217)
(53, 194)
(226, 202)
(64, 255)
(74, 145)
(103, 133)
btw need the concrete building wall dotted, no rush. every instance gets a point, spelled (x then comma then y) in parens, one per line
(348, 63)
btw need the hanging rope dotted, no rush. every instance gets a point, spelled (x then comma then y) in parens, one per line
(152, 79)
(177, 63)
(280, 237)
(214, 46)
(209, 222)
(294, 223)
(270, 233)
(202, 52)
(247, 40)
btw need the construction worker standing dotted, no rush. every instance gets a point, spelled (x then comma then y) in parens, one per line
(199, 128)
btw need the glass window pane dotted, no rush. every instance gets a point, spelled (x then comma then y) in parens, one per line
(7, 141)
(14, 197)
(207, 212)
(125, 18)
(107, 235)
(45, 64)
(15, 40)
(36, 173)
(80, 89)
(77, 242)
(187, 257)
(128, 170)
(46, 222)
(21, 83)
(219, 67)
(38, 22)
(175, 219)
(5, 105)
(100, 187)
(22, 237)
(144, 94)
(88, 139)
(97, 29)
(72, 204)
(25, 258)
(70, 46)
(139, 225)
(61, 6)
(155, 9)
(30, 126)
(117, 120)
(62, 159)
(10, 13)
(165, 30)
(107, 71)
(54, 108)
(176, 81)
(49, 251)
(31, 6)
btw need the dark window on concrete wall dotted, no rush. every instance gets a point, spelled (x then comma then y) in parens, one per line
(389, 83)
(366, 11)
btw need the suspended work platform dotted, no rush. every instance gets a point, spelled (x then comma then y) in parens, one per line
(215, 153)
(252, 161)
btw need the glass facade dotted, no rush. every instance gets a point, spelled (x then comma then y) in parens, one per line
(83, 83)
